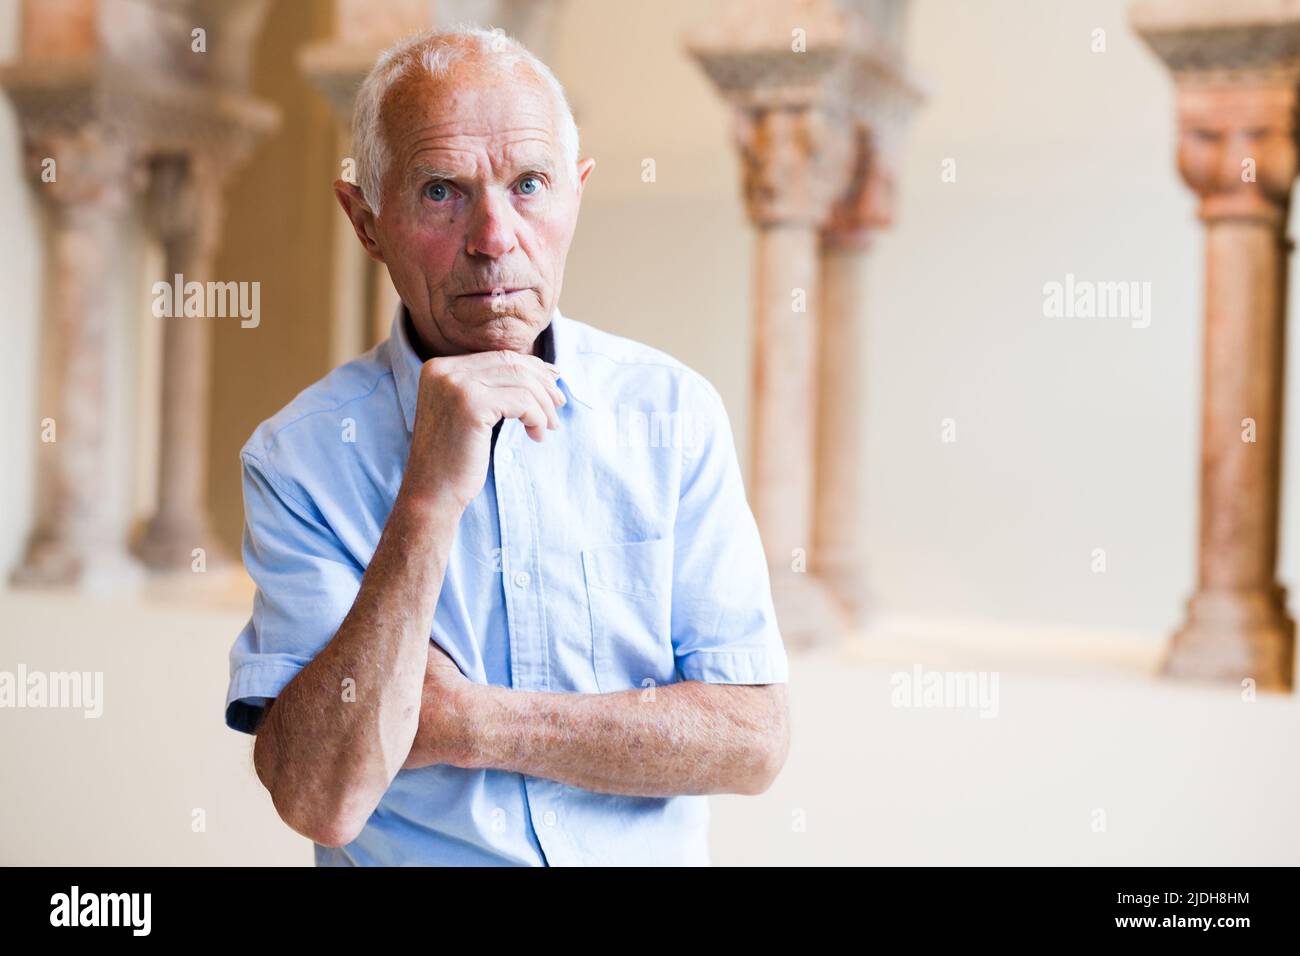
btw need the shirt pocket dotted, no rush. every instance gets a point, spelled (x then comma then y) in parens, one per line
(629, 599)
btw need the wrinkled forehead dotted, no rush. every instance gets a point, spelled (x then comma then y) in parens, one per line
(474, 103)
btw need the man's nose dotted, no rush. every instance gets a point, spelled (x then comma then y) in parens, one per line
(492, 231)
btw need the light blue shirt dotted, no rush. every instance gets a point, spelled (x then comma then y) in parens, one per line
(618, 554)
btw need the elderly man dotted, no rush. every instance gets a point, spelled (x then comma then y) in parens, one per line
(512, 607)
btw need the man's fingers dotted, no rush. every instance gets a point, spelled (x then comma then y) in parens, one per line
(511, 372)
(518, 401)
(547, 394)
(495, 359)
(509, 369)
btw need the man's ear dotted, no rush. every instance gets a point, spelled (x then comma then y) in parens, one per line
(358, 212)
(584, 170)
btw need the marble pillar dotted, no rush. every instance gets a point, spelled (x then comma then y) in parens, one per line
(78, 539)
(83, 169)
(839, 499)
(194, 116)
(882, 96)
(1237, 70)
(184, 213)
(781, 69)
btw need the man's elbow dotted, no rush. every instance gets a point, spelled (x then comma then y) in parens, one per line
(768, 763)
(329, 829)
(309, 819)
(769, 754)
(333, 834)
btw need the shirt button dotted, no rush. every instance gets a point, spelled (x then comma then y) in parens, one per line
(505, 455)
(549, 818)
(522, 578)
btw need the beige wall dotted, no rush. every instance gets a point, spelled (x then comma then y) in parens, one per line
(1072, 434)
(278, 232)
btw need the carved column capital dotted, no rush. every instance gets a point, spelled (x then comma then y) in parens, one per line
(781, 65)
(794, 159)
(82, 172)
(183, 203)
(1237, 69)
(883, 95)
(1237, 149)
(867, 204)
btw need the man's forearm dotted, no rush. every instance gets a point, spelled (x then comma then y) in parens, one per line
(327, 759)
(685, 738)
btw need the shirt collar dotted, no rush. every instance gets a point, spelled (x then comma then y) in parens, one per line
(559, 345)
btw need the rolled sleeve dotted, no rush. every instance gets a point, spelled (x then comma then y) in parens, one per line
(724, 627)
(306, 583)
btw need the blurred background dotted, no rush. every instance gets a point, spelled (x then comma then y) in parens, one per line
(1000, 448)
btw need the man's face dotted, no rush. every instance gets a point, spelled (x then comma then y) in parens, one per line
(479, 207)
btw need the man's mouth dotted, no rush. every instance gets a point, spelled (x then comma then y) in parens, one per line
(485, 295)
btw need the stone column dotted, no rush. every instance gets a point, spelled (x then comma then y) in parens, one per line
(184, 213)
(78, 540)
(839, 530)
(882, 96)
(83, 168)
(194, 115)
(780, 67)
(1237, 70)
(787, 161)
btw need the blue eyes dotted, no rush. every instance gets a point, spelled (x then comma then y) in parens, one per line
(439, 191)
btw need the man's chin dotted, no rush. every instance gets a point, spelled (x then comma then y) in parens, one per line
(490, 325)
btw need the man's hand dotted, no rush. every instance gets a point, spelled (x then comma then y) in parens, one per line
(446, 733)
(461, 398)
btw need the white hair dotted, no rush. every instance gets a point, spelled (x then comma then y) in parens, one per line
(436, 51)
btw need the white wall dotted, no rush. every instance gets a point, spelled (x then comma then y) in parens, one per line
(1072, 434)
